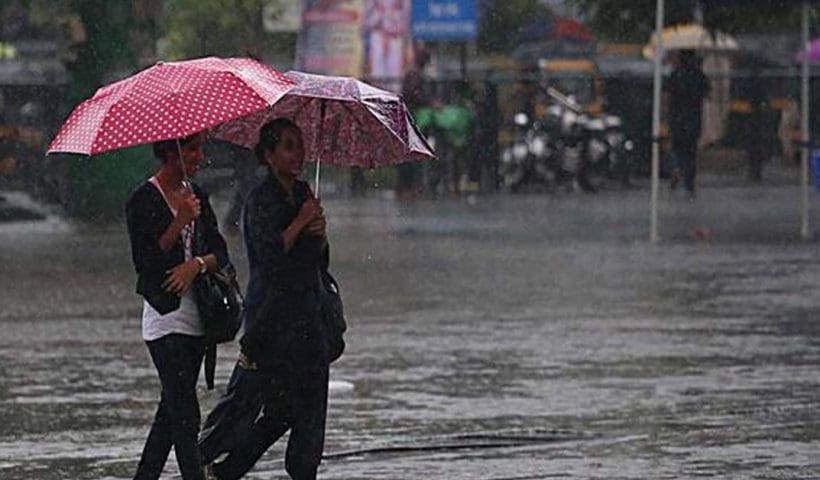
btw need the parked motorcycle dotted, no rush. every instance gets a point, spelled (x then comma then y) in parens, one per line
(517, 168)
(593, 149)
(566, 147)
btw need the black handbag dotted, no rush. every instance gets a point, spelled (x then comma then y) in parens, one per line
(332, 313)
(220, 303)
(218, 298)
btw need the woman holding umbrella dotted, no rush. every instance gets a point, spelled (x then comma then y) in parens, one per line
(283, 363)
(172, 228)
(164, 215)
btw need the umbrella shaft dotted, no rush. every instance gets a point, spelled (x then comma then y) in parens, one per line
(185, 182)
(318, 142)
(316, 181)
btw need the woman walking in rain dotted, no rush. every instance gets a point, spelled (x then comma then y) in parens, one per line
(283, 363)
(164, 216)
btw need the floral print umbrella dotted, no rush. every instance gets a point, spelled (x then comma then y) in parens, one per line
(344, 122)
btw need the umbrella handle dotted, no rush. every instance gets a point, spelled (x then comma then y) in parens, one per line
(185, 182)
(316, 180)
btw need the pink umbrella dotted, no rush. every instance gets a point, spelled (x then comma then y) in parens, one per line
(814, 53)
(169, 100)
(344, 121)
(572, 30)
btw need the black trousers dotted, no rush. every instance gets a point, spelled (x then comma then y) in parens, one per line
(178, 359)
(293, 398)
(685, 146)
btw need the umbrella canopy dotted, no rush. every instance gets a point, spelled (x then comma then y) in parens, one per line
(169, 100)
(555, 28)
(553, 36)
(344, 122)
(814, 53)
(573, 30)
(690, 36)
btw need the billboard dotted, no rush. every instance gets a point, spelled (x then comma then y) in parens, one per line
(330, 41)
(387, 40)
(444, 20)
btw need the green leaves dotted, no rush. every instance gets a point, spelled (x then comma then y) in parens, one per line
(501, 20)
(196, 28)
(634, 20)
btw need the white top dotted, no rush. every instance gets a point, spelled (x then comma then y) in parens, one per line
(185, 319)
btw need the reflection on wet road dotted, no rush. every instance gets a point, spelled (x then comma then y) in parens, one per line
(520, 338)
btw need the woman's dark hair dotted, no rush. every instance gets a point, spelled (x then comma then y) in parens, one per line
(164, 147)
(270, 134)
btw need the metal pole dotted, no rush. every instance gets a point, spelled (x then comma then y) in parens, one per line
(804, 125)
(656, 123)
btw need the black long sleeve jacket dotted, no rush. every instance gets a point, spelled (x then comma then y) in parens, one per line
(148, 216)
(281, 304)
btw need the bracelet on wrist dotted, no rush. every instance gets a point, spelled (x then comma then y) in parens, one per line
(203, 267)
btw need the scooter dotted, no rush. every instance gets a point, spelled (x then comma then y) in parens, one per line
(592, 148)
(531, 158)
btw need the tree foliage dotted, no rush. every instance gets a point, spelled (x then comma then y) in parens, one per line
(96, 38)
(501, 20)
(100, 37)
(197, 28)
(634, 20)
(106, 48)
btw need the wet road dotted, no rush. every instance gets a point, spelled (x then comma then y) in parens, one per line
(519, 338)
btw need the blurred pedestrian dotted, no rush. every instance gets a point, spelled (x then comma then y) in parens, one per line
(488, 122)
(415, 95)
(8, 161)
(788, 131)
(758, 138)
(244, 179)
(164, 215)
(456, 120)
(686, 89)
(525, 92)
(282, 369)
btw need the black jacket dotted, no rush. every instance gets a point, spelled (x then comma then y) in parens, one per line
(148, 216)
(687, 88)
(281, 304)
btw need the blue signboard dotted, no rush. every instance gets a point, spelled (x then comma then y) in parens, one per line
(453, 20)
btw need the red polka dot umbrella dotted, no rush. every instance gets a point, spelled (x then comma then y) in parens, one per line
(169, 100)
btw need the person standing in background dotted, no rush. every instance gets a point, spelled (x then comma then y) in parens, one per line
(243, 181)
(686, 89)
(758, 138)
(415, 95)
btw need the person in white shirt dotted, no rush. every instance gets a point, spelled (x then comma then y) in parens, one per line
(165, 217)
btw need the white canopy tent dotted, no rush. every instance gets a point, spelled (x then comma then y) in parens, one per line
(656, 110)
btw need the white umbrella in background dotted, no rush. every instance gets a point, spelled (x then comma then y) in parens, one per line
(691, 36)
(804, 94)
